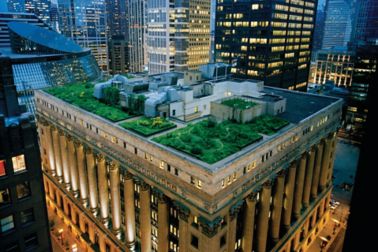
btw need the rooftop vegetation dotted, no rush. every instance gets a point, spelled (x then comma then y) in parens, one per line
(148, 126)
(81, 95)
(239, 103)
(211, 142)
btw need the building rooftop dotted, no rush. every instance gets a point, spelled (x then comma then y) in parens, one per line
(201, 140)
(44, 37)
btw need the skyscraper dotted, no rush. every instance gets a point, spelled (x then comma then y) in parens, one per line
(337, 24)
(178, 35)
(318, 33)
(85, 23)
(212, 185)
(23, 218)
(137, 34)
(117, 29)
(366, 22)
(266, 40)
(41, 8)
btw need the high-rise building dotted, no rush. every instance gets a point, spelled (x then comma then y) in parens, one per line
(178, 35)
(117, 29)
(366, 22)
(85, 23)
(54, 21)
(266, 40)
(335, 65)
(213, 185)
(337, 24)
(41, 8)
(137, 34)
(318, 33)
(24, 224)
(40, 57)
(118, 55)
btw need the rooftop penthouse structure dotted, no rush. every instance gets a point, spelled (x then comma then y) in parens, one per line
(208, 164)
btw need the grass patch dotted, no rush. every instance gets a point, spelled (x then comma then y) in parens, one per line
(81, 95)
(239, 103)
(148, 126)
(211, 142)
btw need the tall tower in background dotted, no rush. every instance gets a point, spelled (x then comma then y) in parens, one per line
(178, 35)
(41, 8)
(137, 34)
(366, 22)
(85, 23)
(117, 29)
(337, 24)
(266, 40)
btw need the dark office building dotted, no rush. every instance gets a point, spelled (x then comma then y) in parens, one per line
(364, 72)
(266, 40)
(23, 215)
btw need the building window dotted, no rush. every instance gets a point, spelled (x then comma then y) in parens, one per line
(27, 216)
(31, 241)
(135, 151)
(176, 172)
(199, 184)
(23, 190)
(14, 247)
(194, 241)
(2, 168)
(7, 223)
(162, 164)
(4, 197)
(192, 180)
(169, 167)
(222, 241)
(18, 163)
(173, 112)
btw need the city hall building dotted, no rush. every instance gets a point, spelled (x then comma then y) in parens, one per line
(122, 191)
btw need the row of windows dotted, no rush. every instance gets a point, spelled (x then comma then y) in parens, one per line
(18, 165)
(22, 191)
(7, 223)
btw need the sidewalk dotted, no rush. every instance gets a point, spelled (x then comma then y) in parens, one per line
(62, 238)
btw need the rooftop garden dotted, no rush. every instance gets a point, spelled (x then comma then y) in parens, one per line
(148, 126)
(211, 142)
(239, 103)
(81, 95)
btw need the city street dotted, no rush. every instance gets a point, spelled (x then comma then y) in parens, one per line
(345, 167)
(62, 239)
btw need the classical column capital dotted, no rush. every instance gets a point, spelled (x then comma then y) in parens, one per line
(209, 228)
(234, 209)
(128, 175)
(99, 157)
(183, 210)
(88, 150)
(114, 165)
(268, 183)
(252, 196)
(61, 132)
(77, 143)
(69, 138)
(144, 186)
(53, 127)
(282, 173)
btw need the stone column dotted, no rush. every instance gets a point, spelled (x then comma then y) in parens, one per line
(308, 179)
(129, 211)
(183, 213)
(50, 150)
(332, 158)
(321, 208)
(163, 224)
(73, 167)
(145, 217)
(115, 197)
(298, 192)
(103, 189)
(315, 179)
(325, 164)
(57, 157)
(263, 217)
(289, 193)
(232, 222)
(63, 154)
(92, 181)
(51, 192)
(249, 224)
(277, 207)
(82, 173)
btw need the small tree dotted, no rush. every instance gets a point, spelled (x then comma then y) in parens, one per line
(111, 95)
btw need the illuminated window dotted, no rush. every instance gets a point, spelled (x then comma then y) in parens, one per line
(255, 6)
(2, 168)
(4, 197)
(223, 183)
(162, 164)
(7, 223)
(23, 190)
(196, 109)
(27, 216)
(199, 184)
(18, 163)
